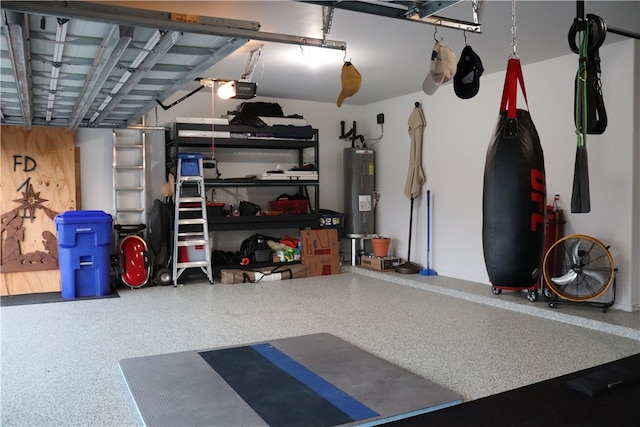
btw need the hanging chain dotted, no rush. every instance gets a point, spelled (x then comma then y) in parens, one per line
(514, 43)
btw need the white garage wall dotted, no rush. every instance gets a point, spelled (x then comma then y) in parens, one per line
(456, 138)
(455, 142)
(96, 168)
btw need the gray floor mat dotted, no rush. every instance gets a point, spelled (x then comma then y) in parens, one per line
(182, 389)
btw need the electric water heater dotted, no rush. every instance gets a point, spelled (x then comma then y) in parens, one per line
(359, 192)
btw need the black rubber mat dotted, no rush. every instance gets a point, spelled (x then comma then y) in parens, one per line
(553, 402)
(47, 297)
(277, 397)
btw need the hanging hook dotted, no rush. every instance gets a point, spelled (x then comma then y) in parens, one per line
(464, 33)
(304, 43)
(344, 57)
(435, 33)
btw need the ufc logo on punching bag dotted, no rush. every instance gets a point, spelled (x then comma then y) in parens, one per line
(538, 190)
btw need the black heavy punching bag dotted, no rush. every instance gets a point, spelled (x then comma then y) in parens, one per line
(514, 196)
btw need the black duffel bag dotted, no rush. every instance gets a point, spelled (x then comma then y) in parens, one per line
(514, 196)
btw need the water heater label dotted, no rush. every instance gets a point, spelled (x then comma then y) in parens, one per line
(371, 169)
(364, 203)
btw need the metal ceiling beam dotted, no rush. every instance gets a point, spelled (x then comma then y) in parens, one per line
(414, 11)
(165, 20)
(91, 90)
(56, 63)
(167, 41)
(428, 8)
(17, 34)
(189, 77)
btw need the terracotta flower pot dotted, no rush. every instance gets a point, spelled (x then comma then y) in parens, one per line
(381, 246)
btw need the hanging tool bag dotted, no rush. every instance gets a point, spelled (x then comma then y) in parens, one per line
(514, 196)
(160, 233)
(267, 274)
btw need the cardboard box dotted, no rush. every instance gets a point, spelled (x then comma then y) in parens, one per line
(322, 265)
(320, 252)
(379, 263)
(319, 242)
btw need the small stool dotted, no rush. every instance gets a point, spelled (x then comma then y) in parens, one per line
(357, 244)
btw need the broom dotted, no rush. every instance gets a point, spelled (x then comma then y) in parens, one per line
(428, 271)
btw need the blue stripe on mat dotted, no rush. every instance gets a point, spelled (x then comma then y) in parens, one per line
(337, 397)
(279, 398)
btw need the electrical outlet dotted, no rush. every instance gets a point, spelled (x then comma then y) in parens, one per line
(380, 118)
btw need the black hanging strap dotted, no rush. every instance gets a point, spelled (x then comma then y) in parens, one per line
(596, 113)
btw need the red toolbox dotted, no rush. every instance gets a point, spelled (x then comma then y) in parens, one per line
(290, 207)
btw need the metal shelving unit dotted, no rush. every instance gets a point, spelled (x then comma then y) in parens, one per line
(305, 150)
(176, 144)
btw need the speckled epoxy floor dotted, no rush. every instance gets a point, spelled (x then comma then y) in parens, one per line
(60, 360)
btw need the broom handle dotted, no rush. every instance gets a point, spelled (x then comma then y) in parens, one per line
(428, 227)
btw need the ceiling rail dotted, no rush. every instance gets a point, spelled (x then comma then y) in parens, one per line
(417, 11)
(580, 17)
(166, 21)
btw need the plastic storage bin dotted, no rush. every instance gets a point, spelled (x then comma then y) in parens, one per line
(290, 207)
(192, 253)
(84, 246)
(331, 219)
(190, 165)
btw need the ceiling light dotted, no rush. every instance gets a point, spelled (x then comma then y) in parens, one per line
(227, 90)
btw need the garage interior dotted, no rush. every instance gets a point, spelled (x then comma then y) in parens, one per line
(134, 74)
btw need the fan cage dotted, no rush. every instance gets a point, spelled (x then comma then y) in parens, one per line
(588, 258)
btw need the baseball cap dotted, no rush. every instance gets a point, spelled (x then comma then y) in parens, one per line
(351, 81)
(442, 68)
(466, 82)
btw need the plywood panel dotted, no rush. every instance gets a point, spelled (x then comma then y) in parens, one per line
(30, 283)
(78, 188)
(37, 181)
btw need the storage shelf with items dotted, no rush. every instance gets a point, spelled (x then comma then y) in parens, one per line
(250, 154)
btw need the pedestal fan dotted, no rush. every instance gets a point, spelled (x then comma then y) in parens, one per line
(579, 269)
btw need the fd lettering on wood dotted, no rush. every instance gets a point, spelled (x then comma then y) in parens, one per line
(38, 182)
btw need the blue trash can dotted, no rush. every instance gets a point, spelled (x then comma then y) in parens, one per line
(84, 253)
